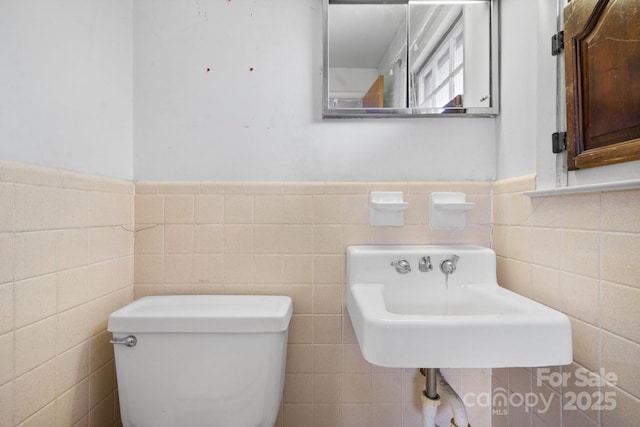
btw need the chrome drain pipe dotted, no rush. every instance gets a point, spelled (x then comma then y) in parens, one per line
(431, 382)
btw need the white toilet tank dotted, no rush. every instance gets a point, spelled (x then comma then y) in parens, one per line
(201, 360)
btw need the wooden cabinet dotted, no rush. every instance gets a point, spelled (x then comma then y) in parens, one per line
(602, 54)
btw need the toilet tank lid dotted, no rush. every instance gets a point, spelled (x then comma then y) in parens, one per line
(203, 314)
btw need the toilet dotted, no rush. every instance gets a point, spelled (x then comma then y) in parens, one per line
(201, 360)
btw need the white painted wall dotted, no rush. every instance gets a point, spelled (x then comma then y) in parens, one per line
(66, 84)
(517, 127)
(231, 123)
(550, 98)
(66, 97)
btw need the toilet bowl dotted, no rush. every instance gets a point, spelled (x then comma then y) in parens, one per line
(201, 360)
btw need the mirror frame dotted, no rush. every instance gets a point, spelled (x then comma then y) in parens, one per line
(491, 111)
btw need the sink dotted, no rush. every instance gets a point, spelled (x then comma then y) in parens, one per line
(427, 319)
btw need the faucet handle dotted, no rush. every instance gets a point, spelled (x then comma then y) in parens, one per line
(448, 266)
(402, 266)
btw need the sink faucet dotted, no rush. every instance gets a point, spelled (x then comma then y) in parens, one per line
(402, 266)
(448, 266)
(425, 264)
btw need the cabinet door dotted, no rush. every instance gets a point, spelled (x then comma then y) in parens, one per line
(374, 98)
(602, 54)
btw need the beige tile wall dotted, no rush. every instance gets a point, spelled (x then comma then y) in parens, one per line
(290, 239)
(579, 254)
(66, 262)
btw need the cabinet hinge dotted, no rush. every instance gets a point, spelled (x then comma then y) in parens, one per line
(559, 142)
(557, 43)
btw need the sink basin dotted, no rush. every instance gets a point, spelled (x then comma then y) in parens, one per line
(424, 319)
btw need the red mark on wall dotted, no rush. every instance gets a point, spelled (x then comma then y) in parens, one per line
(208, 69)
(250, 68)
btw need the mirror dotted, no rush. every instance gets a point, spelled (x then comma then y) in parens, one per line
(410, 58)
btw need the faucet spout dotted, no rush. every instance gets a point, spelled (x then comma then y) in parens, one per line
(425, 264)
(448, 266)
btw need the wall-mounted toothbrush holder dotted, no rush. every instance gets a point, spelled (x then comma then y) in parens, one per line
(386, 208)
(448, 210)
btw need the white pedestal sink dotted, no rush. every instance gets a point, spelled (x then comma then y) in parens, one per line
(422, 319)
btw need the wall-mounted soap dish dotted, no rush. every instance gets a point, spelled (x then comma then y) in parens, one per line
(386, 208)
(448, 209)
